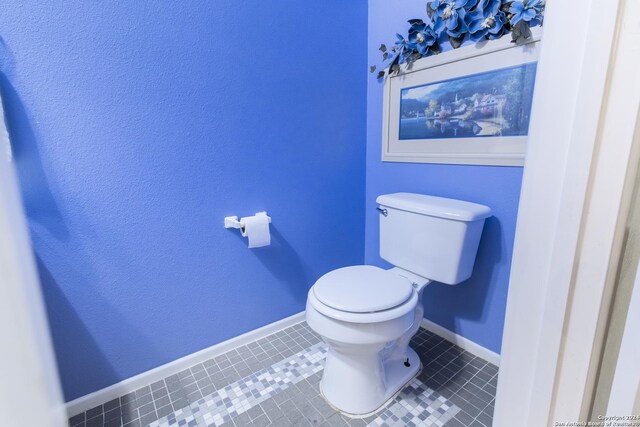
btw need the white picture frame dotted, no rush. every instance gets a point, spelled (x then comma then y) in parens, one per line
(496, 142)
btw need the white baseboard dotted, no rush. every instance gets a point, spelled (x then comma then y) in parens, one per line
(96, 398)
(462, 342)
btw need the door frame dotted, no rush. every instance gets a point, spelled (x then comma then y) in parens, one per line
(30, 392)
(574, 202)
(624, 397)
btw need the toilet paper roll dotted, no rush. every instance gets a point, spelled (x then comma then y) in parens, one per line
(256, 228)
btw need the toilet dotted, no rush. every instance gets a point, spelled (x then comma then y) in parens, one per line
(367, 315)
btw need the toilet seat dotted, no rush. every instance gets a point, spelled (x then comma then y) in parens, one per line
(362, 289)
(363, 294)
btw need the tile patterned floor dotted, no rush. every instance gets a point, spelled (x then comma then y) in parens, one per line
(274, 381)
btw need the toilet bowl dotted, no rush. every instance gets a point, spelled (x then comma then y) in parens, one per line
(367, 315)
(367, 334)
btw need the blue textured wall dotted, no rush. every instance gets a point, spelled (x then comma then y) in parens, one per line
(137, 126)
(475, 308)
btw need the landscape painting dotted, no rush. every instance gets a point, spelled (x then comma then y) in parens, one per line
(491, 104)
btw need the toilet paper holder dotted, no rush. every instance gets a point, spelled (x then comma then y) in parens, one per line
(234, 222)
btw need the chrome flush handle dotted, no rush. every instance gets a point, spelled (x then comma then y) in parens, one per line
(382, 211)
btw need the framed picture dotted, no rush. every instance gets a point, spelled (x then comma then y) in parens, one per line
(467, 106)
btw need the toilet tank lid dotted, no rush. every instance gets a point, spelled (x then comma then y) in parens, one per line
(435, 206)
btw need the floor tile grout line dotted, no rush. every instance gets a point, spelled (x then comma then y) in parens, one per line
(444, 366)
(474, 376)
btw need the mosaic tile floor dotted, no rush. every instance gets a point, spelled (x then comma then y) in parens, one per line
(275, 382)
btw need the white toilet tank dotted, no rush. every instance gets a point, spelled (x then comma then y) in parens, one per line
(433, 237)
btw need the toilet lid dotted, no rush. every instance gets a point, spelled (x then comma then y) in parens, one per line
(362, 289)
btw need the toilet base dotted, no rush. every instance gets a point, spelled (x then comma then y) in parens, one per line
(361, 399)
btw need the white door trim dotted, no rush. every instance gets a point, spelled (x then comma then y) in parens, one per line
(571, 205)
(614, 169)
(625, 390)
(30, 393)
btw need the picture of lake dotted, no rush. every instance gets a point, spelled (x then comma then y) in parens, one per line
(495, 103)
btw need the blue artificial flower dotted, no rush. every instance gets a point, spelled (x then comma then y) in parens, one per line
(487, 20)
(449, 15)
(530, 11)
(488, 7)
(403, 45)
(421, 37)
